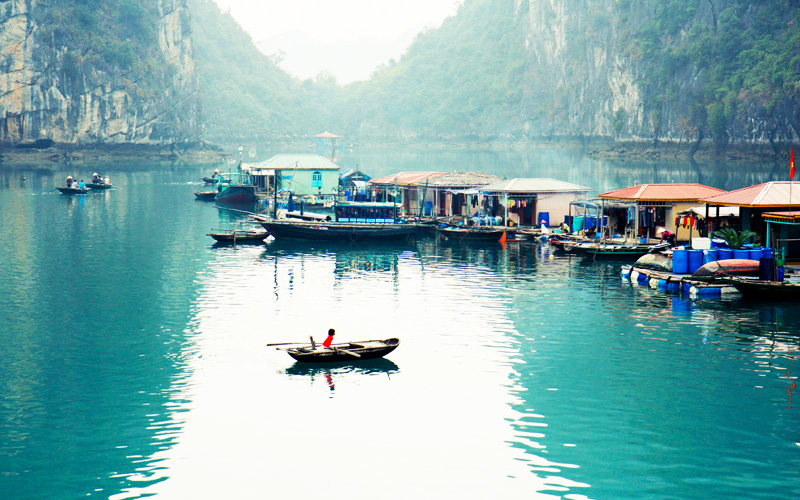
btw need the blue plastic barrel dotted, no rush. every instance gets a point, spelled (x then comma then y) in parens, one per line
(680, 262)
(756, 253)
(768, 252)
(780, 274)
(725, 254)
(741, 254)
(577, 223)
(543, 216)
(695, 259)
(765, 266)
(710, 255)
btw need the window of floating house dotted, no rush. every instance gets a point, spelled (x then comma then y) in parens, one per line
(316, 179)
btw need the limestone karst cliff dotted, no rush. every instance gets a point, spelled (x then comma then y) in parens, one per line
(81, 71)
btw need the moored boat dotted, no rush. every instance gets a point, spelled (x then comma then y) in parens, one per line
(766, 289)
(352, 221)
(206, 195)
(479, 233)
(239, 235)
(98, 186)
(351, 351)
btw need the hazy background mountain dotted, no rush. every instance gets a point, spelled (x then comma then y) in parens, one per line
(351, 60)
(686, 71)
(691, 72)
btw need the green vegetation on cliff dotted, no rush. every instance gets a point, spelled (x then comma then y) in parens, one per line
(114, 35)
(650, 69)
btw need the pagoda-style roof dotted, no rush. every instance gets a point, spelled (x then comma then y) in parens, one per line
(663, 192)
(328, 135)
(405, 178)
(769, 194)
(533, 186)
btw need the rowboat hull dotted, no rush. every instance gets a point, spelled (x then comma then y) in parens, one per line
(366, 349)
(767, 289)
(240, 236)
(206, 195)
(473, 233)
(99, 187)
(71, 190)
(338, 231)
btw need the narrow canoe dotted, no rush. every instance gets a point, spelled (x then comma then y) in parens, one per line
(351, 351)
(239, 236)
(72, 190)
(766, 289)
(93, 185)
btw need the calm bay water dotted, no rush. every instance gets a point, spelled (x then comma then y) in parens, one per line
(134, 359)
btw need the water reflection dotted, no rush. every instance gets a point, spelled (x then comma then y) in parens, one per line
(347, 372)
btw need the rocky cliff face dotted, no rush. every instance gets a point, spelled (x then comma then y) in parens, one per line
(648, 70)
(55, 85)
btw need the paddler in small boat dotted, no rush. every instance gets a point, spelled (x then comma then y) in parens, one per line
(69, 181)
(96, 179)
(329, 340)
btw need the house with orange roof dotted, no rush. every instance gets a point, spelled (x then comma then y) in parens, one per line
(654, 208)
(771, 210)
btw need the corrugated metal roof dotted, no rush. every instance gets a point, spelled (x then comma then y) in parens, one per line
(781, 216)
(461, 180)
(298, 162)
(769, 194)
(663, 192)
(533, 186)
(405, 178)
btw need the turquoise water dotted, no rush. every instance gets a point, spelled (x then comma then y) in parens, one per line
(134, 363)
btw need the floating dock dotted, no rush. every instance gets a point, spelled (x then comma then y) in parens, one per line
(677, 283)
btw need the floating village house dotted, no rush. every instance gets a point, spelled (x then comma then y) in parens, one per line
(454, 193)
(303, 174)
(403, 188)
(654, 208)
(766, 209)
(527, 202)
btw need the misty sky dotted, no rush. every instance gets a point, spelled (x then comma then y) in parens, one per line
(346, 38)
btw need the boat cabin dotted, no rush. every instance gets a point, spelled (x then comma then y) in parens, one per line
(368, 212)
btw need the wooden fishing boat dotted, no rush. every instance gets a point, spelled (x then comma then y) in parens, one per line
(766, 289)
(206, 195)
(98, 186)
(602, 250)
(353, 221)
(210, 180)
(239, 235)
(474, 233)
(338, 231)
(72, 190)
(351, 351)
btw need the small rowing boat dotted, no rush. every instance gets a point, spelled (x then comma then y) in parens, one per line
(351, 351)
(72, 190)
(239, 235)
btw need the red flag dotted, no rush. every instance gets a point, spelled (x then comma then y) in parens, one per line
(791, 164)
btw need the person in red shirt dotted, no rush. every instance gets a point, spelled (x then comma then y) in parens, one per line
(328, 340)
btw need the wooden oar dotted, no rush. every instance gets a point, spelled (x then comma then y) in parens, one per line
(285, 343)
(339, 349)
